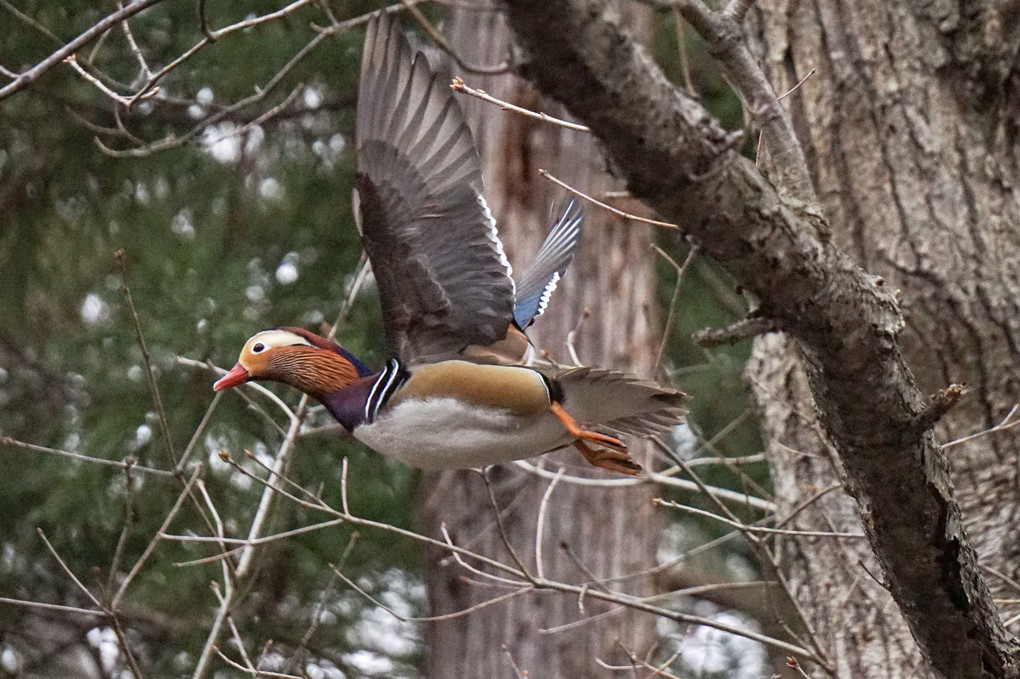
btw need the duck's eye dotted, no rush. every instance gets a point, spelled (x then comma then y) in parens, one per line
(258, 348)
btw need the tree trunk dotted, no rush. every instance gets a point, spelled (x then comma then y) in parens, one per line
(909, 128)
(910, 142)
(588, 531)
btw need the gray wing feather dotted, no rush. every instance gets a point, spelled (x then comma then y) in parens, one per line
(443, 278)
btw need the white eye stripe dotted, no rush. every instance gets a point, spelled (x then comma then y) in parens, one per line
(271, 339)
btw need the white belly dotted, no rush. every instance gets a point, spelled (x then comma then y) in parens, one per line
(442, 433)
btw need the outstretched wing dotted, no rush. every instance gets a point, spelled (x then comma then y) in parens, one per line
(443, 278)
(540, 277)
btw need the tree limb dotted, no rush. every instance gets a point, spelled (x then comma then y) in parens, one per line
(97, 29)
(674, 156)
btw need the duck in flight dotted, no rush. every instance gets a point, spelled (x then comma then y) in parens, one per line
(462, 387)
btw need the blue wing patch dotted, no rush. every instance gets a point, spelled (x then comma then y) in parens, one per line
(544, 271)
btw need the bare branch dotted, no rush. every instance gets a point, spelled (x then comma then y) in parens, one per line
(726, 42)
(540, 522)
(619, 213)
(74, 610)
(457, 85)
(164, 426)
(126, 464)
(665, 478)
(439, 40)
(681, 272)
(248, 554)
(255, 672)
(151, 547)
(133, 46)
(97, 29)
(743, 329)
(524, 589)
(759, 529)
(1007, 423)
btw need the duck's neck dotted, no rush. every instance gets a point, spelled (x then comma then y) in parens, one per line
(360, 401)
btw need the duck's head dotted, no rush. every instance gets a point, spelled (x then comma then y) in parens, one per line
(296, 357)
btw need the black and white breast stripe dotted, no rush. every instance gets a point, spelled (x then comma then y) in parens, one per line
(390, 379)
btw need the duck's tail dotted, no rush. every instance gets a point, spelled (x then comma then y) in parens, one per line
(619, 402)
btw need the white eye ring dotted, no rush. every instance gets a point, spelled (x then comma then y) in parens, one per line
(258, 348)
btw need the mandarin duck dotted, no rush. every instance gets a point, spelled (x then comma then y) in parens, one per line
(463, 388)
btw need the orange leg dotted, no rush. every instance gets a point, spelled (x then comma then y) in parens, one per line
(613, 452)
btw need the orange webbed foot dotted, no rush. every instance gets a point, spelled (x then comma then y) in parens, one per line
(612, 452)
(613, 460)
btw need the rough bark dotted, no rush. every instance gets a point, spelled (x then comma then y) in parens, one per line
(845, 324)
(909, 128)
(611, 532)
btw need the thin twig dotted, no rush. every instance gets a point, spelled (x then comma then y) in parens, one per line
(360, 276)
(513, 664)
(254, 672)
(192, 363)
(238, 641)
(58, 56)
(72, 61)
(67, 570)
(174, 141)
(314, 500)
(576, 560)
(244, 564)
(114, 620)
(1006, 424)
(722, 32)
(572, 335)
(693, 591)
(133, 46)
(343, 487)
(524, 589)
(199, 430)
(21, 16)
(800, 82)
(129, 520)
(685, 61)
(146, 360)
(540, 522)
(441, 42)
(320, 607)
(758, 529)
(203, 21)
(502, 530)
(615, 211)
(468, 567)
(681, 273)
(53, 607)
(663, 478)
(151, 547)
(711, 445)
(458, 85)
(129, 463)
(1001, 576)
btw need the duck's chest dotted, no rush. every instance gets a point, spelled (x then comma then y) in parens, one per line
(447, 433)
